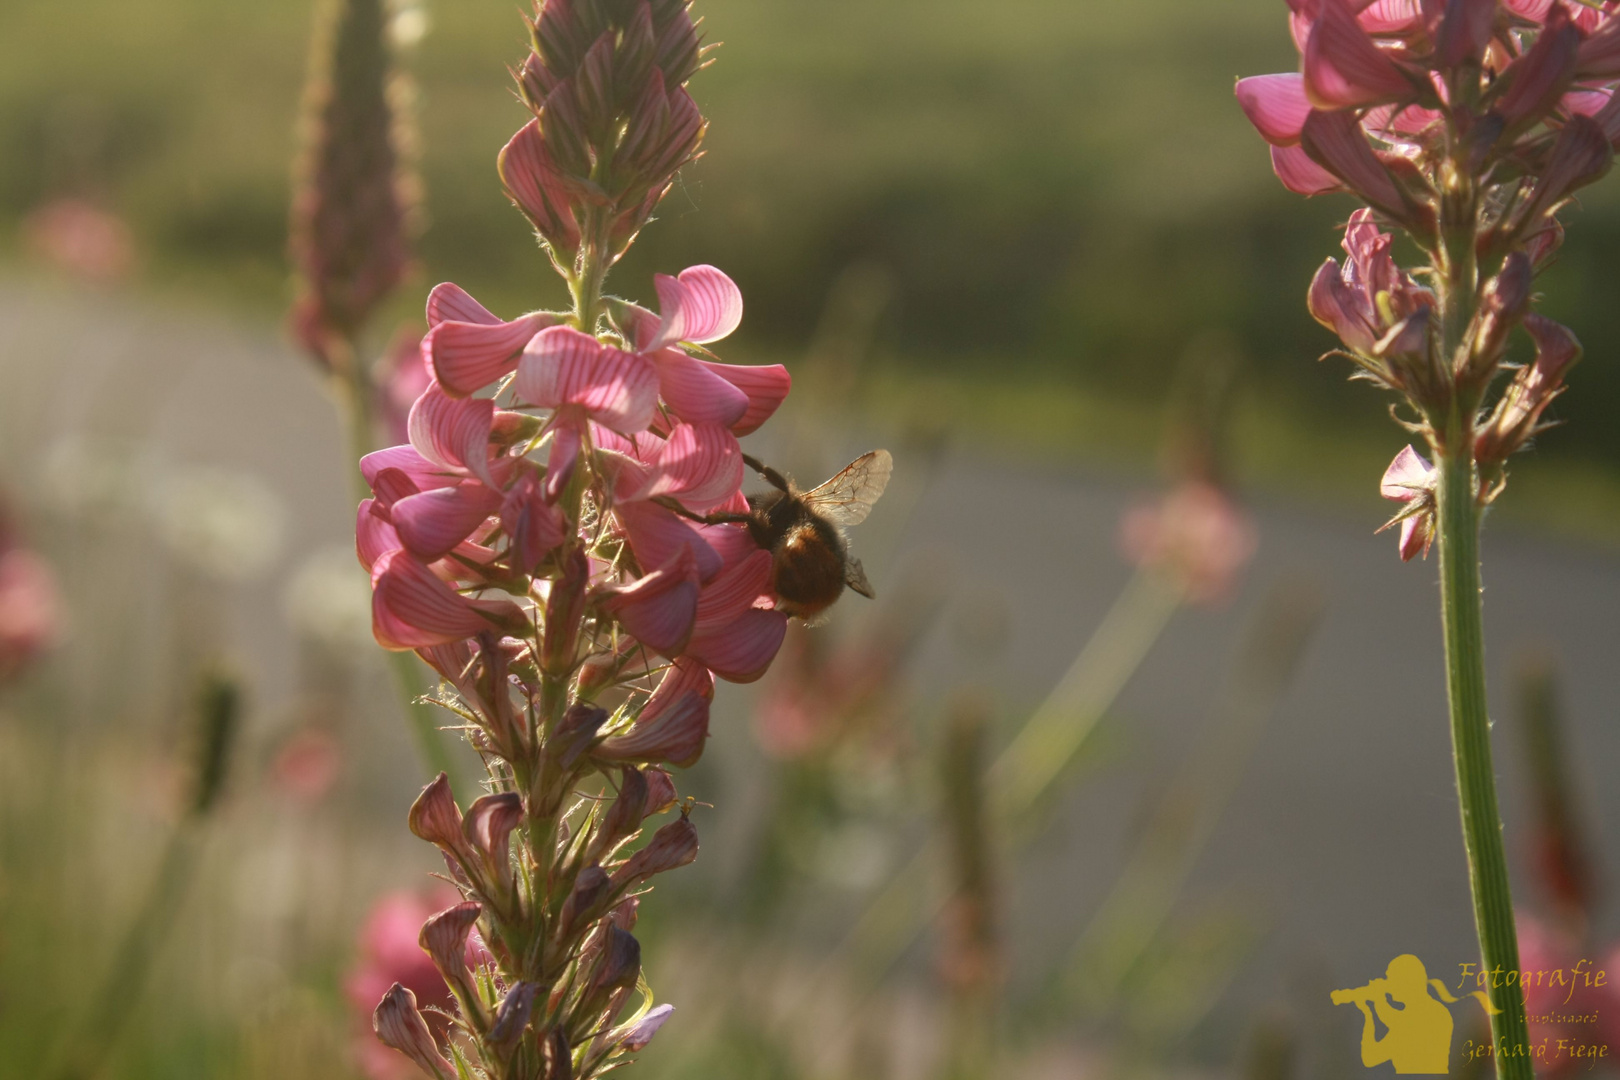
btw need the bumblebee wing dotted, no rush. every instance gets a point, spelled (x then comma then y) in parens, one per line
(855, 578)
(847, 498)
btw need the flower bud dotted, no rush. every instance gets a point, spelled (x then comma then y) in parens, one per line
(576, 732)
(1507, 297)
(642, 1031)
(512, 1015)
(661, 793)
(444, 939)
(565, 606)
(623, 817)
(617, 966)
(400, 1026)
(489, 824)
(673, 846)
(674, 734)
(591, 888)
(436, 818)
(1518, 412)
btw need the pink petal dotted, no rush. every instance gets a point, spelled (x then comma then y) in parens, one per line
(392, 485)
(534, 525)
(1407, 476)
(424, 474)
(673, 724)
(740, 650)
(373, 537)
(453, 432)
(732, 543)
(734, 591)
(1276, 105)
(1342, 66)
(1300, 174)
(465, 357)
(1417, 533)
(1599, 54)
(1336, 141)
(563, 366)
(1341, 309)
(433, 523)
(683, 677)
(712, 306)
(533, 183)
(562, 459)
(639, 325)
(1465, 31)
(656, 535)
(658, 609)
(1540, 76)
(694, 393)
(449, 302)
(765, 384)
(701, 464)
(671, 312)
(411, 608)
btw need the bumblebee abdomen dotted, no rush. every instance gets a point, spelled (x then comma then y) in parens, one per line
(809, 569)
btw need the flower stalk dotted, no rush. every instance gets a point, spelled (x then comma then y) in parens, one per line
(1469, 126)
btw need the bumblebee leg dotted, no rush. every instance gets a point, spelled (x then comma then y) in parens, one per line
(772, 477)
(703, 519)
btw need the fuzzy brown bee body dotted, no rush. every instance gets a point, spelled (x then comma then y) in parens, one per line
(801, 530)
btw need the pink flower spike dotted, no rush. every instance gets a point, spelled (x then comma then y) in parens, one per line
(1276, 105)
(563, 366)
(453, 432)
(1300, 174)
(659, 608)
(1342, 66)
(411, 608)
(766, 385)
(432, 523)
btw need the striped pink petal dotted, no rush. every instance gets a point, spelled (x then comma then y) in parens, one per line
(1335, 141)
(734, 591)
(712, 305)
(423, 473)
(532, 182)
(561, 461)
(1276, 105)
(695, 393)
(765, 384)
(671, 313)
(1300, 174)
(656, 535)
(453, 432)
(673, 724)
(658, 609)
(373, 537)
(563, 366)
(392, 485)
(740, 650)
(1342, 66)
(465, 357)
(449, 302)
(432, 523)
(701, 464)
(533, 524)
(411, 608)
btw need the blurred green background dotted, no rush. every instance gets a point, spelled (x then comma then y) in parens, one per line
(1064, 196)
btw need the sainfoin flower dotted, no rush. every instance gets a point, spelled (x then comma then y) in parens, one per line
(30, 609)
(562, 536)
(1196, 535)
(1410, 479)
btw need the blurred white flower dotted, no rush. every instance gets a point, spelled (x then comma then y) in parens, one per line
(328, 600)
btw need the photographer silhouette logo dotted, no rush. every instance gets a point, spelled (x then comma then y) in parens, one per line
(1417, 1026)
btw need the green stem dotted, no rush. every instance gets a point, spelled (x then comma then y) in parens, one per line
(1471, 751)
(353, 386)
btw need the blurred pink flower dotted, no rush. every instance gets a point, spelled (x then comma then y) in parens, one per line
(81, 238)
(1567, 1008)
(1196, 534)
(402, 376)
(389, 952)
(307, 764)
(30, 610)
